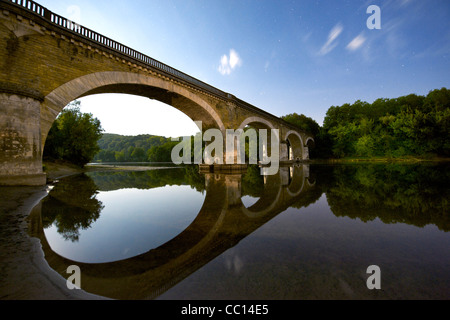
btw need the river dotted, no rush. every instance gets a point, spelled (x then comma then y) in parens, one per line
(310, 232)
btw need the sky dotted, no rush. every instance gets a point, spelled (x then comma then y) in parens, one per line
(301, 56)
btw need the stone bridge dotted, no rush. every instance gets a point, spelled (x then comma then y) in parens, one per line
(223, 221)
(47, 61)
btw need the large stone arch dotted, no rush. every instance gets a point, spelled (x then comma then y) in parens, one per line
(159, 89)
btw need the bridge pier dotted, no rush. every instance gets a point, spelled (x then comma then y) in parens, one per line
(284, 151)
(20, 141)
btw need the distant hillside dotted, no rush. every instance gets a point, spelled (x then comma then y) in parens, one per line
(141, 148)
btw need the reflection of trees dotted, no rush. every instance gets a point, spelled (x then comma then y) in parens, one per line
(307, 198)
(115, 180)
(412, 194)
(252, 182)
(71, 206)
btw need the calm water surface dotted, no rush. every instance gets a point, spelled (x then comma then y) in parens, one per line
(309, 232)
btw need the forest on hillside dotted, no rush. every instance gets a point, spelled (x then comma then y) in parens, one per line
(141, 148)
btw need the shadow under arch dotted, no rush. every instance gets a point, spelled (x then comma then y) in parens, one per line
(221, 224)
(159, 89)
(259, 123)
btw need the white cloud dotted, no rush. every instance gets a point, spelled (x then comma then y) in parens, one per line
(74, 13)
(356, 43)
(229, 63)
(331, 42)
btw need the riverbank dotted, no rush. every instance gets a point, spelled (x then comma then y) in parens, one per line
(59, 169)
(408, 160)
(25, 274)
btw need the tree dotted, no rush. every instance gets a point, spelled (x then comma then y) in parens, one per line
(139, 155)
(411, 125)
(303, 122)
(73, 136)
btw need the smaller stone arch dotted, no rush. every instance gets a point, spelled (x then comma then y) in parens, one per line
(310, 141)
(257, 120)
(261, 123)
(296, 145)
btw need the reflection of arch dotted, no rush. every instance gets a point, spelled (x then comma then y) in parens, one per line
(159, 268)
(268, 200)
(131, 83)
(296, 143)
(221, 224)
(297, 181)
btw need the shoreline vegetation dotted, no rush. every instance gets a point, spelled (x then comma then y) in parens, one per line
(382, 160)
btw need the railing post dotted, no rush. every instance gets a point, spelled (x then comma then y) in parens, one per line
(47, 14)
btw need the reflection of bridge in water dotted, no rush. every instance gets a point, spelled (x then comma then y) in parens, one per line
(222, 223)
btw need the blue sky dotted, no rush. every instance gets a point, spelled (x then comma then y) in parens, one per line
(281, 56)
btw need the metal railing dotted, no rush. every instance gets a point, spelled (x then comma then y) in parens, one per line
(113, 45)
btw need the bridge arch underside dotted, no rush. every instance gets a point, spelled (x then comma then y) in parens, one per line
(295, 146)
(153, 88)
(257, 123)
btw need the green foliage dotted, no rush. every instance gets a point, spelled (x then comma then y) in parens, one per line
(406, 126)
(141, 148)
(303, 122)
(394, 193)
(73, 136)
(73, 206)
(62, 207)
